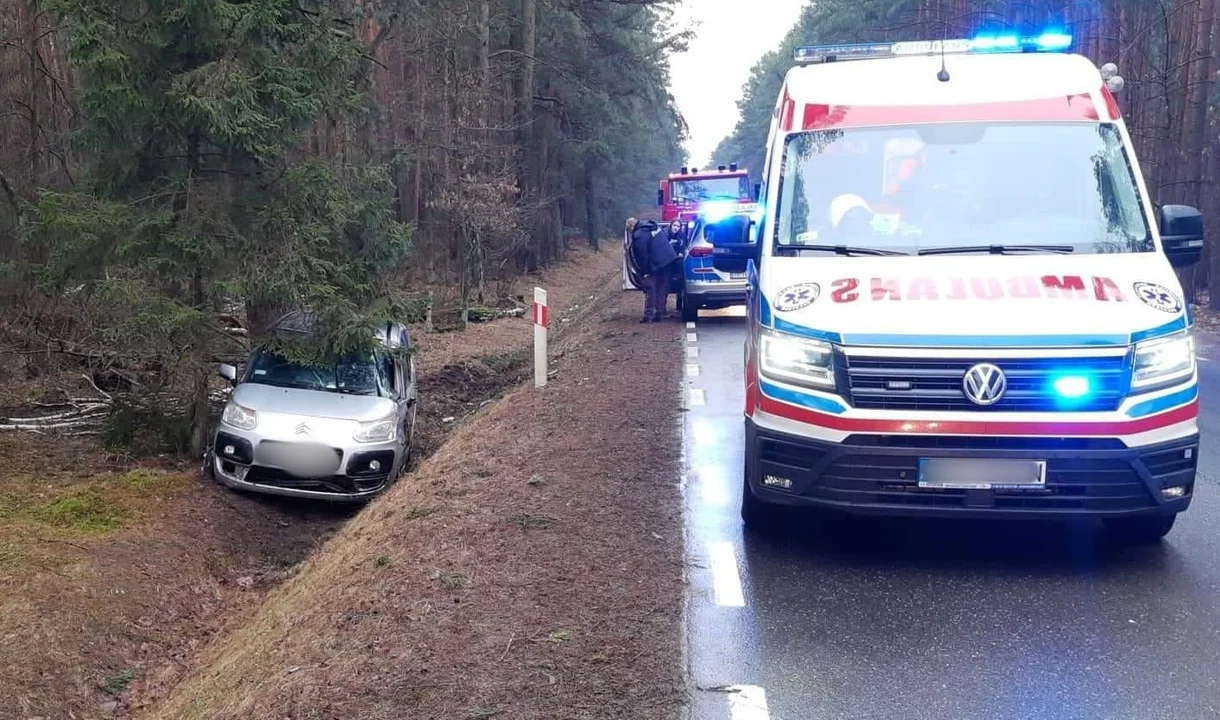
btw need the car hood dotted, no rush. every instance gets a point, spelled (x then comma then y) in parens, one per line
(1034, 300)
(311, 403)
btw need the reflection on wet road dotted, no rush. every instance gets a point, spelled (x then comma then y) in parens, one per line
(862, 618)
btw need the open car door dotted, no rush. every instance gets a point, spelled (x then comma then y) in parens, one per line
(633, 279)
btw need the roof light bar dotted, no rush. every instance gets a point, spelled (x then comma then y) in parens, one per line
(1049, 41)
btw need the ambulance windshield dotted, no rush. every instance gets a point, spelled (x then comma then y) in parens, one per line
(1067, 187)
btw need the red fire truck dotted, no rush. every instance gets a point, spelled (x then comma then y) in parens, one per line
(683, 192)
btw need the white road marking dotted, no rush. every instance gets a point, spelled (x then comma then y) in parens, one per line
(697, 398)
(692, 370)
(711, 480)
(690, 326)
(726, 583)
(691, 337)
(692, 352)
(748, 702)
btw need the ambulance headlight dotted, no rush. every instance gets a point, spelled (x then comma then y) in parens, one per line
(797, 360)
(1163, 361)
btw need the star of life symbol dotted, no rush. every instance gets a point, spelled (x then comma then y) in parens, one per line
(1159, 297)
(796, 297)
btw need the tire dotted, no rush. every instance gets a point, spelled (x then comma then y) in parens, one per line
(209, 467)
(757, 516)
(690, 313)
(1140, 530)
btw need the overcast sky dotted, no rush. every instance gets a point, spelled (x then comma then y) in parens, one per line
(731, 36)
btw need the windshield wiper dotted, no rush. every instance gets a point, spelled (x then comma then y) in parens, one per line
(999, 249)
(844, 249)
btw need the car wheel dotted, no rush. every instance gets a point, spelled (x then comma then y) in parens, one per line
(690, 312)
(1140, 530)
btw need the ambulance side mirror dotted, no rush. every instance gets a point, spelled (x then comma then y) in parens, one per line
(1181, 235)
(660, 198)
(757, 191)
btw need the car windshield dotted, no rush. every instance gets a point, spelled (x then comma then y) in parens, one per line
(351, 375)
(1064, 187)
(717, 188)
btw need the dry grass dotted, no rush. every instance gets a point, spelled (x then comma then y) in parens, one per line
(567, 285)
(531, 569)
(114, 575)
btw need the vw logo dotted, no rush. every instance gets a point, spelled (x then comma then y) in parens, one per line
(301, 429)
(984, 384)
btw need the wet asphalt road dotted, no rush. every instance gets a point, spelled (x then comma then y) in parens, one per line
(862, 618)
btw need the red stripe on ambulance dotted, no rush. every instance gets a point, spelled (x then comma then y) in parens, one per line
(1080, 107)
(1118, 428)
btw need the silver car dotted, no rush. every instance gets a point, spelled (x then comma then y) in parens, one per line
(341, 433)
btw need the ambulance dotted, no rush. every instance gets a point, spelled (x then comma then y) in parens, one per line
(961, 299)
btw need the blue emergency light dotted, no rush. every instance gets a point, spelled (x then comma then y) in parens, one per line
(716, 211)
(1072, 387)
(1049, 41)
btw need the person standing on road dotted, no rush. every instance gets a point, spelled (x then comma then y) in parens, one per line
(663, 259)
(654, 256)
(640, 247)
(677, 240)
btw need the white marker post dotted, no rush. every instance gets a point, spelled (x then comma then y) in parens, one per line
(542, 320)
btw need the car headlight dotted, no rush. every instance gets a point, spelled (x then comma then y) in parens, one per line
(797, 360)
(383, 430)
(242, 418)
(1161, 362)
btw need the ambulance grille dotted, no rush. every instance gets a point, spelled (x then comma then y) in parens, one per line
(886, 383)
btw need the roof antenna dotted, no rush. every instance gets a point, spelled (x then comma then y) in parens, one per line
(943, 75)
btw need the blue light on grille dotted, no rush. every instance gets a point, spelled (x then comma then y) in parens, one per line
(1072, 387)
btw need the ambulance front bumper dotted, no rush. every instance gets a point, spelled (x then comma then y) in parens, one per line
(879, 474)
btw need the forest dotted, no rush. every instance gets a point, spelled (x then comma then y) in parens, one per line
(1166, 51)
(175, 174)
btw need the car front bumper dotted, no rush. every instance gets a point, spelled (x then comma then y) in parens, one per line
(351, 479)
(878, 475)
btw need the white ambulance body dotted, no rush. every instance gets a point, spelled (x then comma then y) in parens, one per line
(962, 301)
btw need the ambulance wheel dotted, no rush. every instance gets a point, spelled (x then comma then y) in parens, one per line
(757, 516)
(1139, 530)
(690, 312)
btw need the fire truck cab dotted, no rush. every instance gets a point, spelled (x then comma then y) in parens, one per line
(684, 192)
(961, 298)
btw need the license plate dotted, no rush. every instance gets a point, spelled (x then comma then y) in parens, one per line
(300, 459)
(737, 276)
(981, 474)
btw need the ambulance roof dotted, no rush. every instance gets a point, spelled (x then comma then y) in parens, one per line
(974, 80)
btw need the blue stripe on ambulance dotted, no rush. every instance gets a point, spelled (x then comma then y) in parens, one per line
(1164, 402)
(820, 403)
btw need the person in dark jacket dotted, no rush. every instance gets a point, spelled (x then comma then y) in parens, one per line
(678, 239)
(641, 242)
(662, 261)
